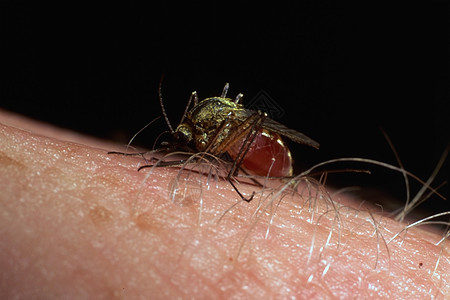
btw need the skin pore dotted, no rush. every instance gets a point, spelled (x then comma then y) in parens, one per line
(79, 223)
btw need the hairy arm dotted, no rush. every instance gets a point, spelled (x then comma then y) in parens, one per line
(78, 223)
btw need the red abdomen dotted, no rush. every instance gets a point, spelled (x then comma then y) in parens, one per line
(267, 156)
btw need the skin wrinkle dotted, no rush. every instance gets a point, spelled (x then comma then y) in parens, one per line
(127, 239)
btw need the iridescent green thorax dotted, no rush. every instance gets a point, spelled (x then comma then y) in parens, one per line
(203, 122)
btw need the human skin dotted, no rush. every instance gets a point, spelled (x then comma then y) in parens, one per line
(76, 222)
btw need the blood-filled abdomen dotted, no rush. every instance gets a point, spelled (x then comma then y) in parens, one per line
(267, 156)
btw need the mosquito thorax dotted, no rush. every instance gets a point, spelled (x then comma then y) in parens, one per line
(202, 122)
(215, 109)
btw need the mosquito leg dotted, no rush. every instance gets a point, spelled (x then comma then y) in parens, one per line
(250, 127)
(239, 193)
(255, 127)
(143, 154)
(238, 98)
(225, 90)
(129, 154)
(193, 96)
(256, 182)
(174, 163)
(165, 149)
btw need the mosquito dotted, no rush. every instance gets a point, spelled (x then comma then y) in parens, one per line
(223, 127)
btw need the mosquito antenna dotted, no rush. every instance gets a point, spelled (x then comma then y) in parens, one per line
(225, 90)
(162, 105)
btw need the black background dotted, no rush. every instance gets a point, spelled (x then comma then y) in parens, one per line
(339, 71)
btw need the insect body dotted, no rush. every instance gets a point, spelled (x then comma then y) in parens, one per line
(224, 127)
(221, 125)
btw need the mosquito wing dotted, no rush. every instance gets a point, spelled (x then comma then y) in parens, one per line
(279, 128)
(291, 134)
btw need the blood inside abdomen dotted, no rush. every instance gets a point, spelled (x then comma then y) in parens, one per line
(267, 156)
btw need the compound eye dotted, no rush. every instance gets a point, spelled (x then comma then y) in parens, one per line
(184, 133)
